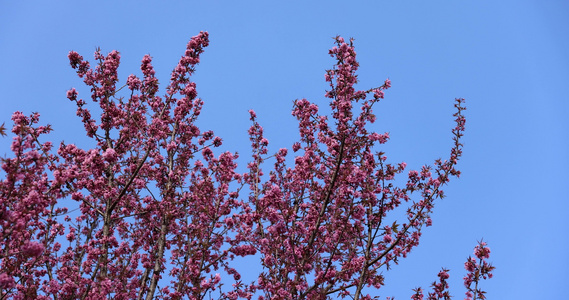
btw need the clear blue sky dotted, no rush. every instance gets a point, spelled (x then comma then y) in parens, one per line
(509, 59)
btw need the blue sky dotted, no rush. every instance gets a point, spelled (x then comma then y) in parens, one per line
(509, 59)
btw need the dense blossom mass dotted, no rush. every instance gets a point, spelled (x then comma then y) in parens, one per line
(153, 211)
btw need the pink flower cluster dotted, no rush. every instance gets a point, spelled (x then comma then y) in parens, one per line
(478, 269)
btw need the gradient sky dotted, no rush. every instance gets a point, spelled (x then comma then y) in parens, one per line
(509, 59)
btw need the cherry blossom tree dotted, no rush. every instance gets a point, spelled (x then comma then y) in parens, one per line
(153, 210)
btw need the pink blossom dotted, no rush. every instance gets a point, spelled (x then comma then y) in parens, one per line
(253, 114)
(133, 82)
(72, 94)
(378, 94)
(6, 281)
(229, 222)
(217, 141)
(295, 146)
(32, 249)
(74, 59)
(110, 155)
